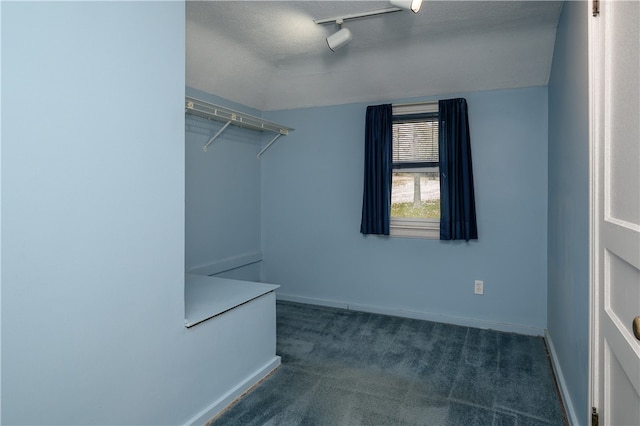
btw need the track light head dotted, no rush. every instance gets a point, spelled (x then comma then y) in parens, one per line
(339, 39)
(412, 5)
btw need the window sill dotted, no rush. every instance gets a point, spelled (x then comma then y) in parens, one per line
(415, 228)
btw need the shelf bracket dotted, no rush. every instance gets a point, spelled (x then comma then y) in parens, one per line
(204, 148)
(269, 144)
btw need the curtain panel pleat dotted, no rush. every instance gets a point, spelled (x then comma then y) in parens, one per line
(376, 199)
(457, 199)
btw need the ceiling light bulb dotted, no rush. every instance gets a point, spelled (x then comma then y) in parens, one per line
(412, 5)
(339, 39)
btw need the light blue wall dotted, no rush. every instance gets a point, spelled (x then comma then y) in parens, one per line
(312, 194)
(93, 165)
(568, 300)
(223, 193)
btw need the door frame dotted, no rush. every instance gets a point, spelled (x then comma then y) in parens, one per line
(596, 94)
(594, 76)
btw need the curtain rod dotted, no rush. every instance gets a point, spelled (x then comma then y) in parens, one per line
(414, 103)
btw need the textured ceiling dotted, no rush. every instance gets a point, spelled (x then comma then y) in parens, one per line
(271, 55)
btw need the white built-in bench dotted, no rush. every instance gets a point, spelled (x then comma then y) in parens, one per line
(239, 318)
(207, 297)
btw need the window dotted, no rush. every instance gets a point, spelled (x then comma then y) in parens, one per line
(415, 187)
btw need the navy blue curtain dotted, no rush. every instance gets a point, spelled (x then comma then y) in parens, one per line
(457, 199)
(376, 199)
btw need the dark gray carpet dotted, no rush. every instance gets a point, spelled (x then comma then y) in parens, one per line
(344, 367)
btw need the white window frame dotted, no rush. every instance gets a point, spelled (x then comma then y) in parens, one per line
(415, 228)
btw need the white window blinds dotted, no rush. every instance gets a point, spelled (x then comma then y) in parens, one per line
(415, 140)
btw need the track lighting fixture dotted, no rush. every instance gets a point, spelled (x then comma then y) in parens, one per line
(344, 36)
(340, 37)
(412, 5)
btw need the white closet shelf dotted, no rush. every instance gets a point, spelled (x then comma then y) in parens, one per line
(229, 116)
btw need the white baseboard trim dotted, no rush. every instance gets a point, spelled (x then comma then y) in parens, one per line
(204, 416)
(312, 301)
(224, 265)
(566, 398)
(398, 312)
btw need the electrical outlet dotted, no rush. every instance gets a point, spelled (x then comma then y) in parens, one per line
(479, 287)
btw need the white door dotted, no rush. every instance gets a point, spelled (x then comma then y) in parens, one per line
(614, 84)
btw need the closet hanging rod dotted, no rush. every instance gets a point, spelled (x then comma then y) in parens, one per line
(215, 112)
